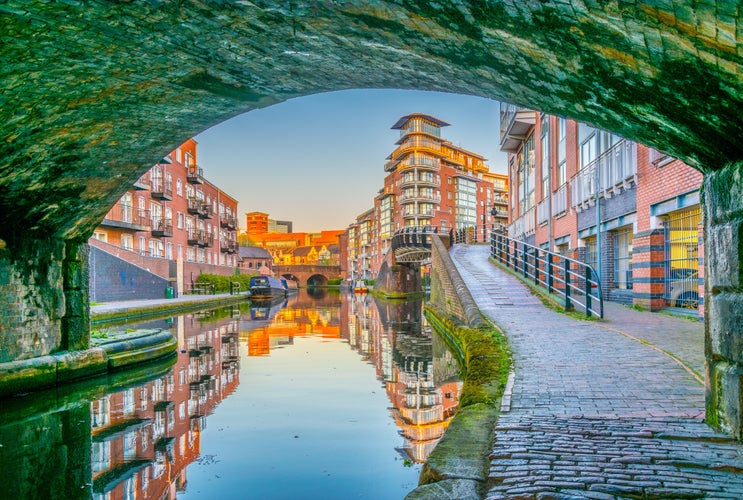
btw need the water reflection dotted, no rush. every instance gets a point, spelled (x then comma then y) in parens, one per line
(136, 437)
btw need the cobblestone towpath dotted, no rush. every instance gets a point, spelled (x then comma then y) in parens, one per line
(598, 409)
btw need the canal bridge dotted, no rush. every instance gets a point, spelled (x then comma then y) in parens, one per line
(309, 274)
(94, 94)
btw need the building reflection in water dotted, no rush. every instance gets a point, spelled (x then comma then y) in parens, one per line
(420, 374)
(133, 439)
(144, 437)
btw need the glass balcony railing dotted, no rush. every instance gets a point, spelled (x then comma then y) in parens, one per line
(612, 170)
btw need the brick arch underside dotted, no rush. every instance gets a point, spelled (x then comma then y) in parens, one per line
(95, 94)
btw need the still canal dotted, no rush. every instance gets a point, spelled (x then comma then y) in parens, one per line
(321, 395)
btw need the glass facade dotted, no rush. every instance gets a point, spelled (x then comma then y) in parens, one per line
(465, 202)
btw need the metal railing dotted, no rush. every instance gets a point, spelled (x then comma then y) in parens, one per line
(574, 281)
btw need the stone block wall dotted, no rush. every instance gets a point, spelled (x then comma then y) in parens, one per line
(448, 291)
(32, 299)
(723, 213)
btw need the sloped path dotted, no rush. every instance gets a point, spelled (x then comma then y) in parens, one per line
(595, 413)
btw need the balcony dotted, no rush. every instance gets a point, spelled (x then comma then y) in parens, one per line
(200, 238)
(560, 201)
(500, 200)
(417, 144)
(195, 175)
(524, 225)
(127, 217)
(162, 189)
(143, 183)
(404, 200)
(228, 222)
(515, 123)
(162, 228)
(613, 171)
(423, 182)
(543, 211)
(200, 208)
(228, 246)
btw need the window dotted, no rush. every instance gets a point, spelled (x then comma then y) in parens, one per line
(659, 159)
(100, 236)
(526, 174)
(169, 251)
(682, 258)
(181, 220)
(126, 208)
(179, 187)
(623, 259)
(127, 242)
(545, 156)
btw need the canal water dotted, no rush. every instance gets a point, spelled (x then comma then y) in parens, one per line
(321, 395)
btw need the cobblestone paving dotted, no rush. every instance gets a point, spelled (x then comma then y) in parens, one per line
(595, 414)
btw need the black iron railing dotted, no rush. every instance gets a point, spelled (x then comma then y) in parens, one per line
(574, 281)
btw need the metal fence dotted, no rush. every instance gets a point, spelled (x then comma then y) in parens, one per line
(574, 281)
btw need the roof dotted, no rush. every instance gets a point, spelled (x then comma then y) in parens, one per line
(334, 248)
(302, 251)
(399, 123)
(253, 253)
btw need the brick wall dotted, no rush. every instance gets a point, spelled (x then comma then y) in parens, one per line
(659, 183)
(112, 279)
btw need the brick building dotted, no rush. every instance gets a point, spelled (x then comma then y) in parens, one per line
(566, 178)
(171, 223)
(429, 182)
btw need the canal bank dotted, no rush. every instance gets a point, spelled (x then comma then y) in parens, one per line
(458, 466)
(109, 351)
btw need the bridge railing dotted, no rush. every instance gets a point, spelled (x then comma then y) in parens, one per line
(576, 282)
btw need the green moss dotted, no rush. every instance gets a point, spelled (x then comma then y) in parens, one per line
(483, 354)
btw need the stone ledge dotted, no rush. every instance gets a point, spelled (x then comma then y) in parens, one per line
(43, 372)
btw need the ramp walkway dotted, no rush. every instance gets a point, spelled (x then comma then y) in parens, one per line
(599, 409)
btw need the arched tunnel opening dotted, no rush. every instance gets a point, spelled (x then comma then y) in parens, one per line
(95, 119)
(317, 280)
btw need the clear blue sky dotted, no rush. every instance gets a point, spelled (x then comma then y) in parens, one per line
(319, 160)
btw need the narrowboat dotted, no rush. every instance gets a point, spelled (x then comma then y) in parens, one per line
(266, 287)
(290, 285)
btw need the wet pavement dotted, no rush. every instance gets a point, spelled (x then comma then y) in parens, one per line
(600, 409)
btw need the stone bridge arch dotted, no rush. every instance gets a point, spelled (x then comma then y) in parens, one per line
(92, 95)
(308, 274)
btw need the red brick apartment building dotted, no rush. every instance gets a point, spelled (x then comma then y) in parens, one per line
(169, 227)
(429, 182)
(565, 178)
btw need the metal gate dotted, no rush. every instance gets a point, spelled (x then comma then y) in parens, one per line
(682, 258)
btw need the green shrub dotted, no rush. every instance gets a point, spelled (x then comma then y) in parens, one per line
(222, 283)
(334, 282)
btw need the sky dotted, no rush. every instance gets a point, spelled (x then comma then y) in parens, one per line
(318, 160)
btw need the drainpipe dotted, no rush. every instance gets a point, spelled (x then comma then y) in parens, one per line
(598, 223)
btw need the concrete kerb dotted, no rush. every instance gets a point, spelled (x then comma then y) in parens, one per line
(140, 309)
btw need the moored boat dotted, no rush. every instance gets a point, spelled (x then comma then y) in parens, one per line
(266, 287)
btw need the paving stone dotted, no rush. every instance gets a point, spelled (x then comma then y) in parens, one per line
(615, 417)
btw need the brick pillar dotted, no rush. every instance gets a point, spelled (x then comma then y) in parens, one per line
(723, 219)
(648, 255)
